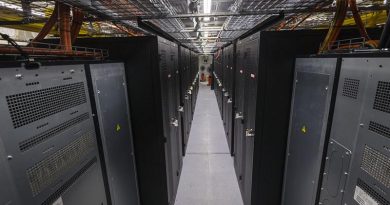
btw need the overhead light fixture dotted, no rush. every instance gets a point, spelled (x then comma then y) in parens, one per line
(206, 9)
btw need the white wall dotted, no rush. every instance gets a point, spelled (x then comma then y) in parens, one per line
(205, 61)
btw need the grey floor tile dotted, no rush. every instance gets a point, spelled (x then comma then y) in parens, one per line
(208, 176)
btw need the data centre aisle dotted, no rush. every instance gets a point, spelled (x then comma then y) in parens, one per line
(208, 176)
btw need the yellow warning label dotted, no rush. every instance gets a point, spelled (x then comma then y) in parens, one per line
(304, 129)
(118, 127)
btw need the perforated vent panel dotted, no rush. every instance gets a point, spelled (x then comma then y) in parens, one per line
(376, 165)
(375, 195)
(45, 172)
(351, 88)
(31, 106)
(382, 97)
(379, 129)
(69, 183)
(37, 139)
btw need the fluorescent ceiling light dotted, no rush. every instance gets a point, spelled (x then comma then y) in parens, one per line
(206, 8)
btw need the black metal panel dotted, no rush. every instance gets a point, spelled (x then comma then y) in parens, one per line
(335, 173)
(250, 94)
(108, 85)
(311, 104)
(218, 74)
(239, 147)
(343, 134)
(228, 94)
(51, 149)
(369, 180)
(174, 115)
(186, 112)
(147, 66)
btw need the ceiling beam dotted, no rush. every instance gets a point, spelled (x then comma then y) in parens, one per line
(22, 22)
(106, 17)
(264, 12)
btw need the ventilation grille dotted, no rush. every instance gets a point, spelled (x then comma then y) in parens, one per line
(35, 105)
(351, 88)
(37, 139)
(375, 195)
(380, 129)
(52, 198)
(44, 173)
(376, 165)
(382, 97)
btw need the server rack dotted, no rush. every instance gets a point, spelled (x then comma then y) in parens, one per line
(351, 147)
(185, 94)
(195, 79)
(108, 91)
(218, 82)
(48, 144)
(264, 77)
(152, 75)
(228, 95)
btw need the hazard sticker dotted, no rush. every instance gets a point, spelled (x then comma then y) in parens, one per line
(58, 202)
(304, 129)
(363, 198)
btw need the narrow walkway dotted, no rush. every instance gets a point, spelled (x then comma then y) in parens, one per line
(208, 176)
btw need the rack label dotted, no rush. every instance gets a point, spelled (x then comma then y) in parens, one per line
(362, 198)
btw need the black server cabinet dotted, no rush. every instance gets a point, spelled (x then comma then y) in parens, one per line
(228, 95)
(110, 104)
(185, 94)
(238, 112)
(151, 73)
(225, 82)
(264, 75)
(194, 88)
(218, 83)
(314, 86)
(357, 160)
(48, 144)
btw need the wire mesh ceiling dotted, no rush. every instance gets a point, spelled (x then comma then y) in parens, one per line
(199, 32)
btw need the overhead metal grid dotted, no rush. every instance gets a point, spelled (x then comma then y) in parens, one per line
(228, 18)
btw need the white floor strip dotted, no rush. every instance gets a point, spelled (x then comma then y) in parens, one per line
(208, 176)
